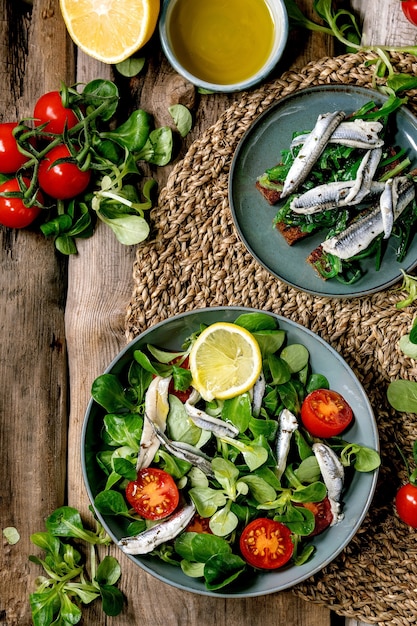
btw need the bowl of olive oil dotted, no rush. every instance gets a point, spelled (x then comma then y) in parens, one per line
(223, 45)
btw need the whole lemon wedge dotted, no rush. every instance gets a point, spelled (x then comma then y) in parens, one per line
(225, 361)
(110, 30)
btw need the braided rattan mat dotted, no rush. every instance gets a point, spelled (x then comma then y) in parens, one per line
(195, 259)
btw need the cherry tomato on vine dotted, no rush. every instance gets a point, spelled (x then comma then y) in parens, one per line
(11, 159)
(409, 8)
(49, 110)
(323, 515)
(13, 212)
(406, 504)
(61, 180)
(154, 494)
(266, 544)
(325, 413)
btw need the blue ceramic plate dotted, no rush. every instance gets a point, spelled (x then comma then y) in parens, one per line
(170, 335)
(260, 148)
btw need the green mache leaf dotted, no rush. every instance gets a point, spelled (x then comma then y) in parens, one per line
(207, 500)
(124, 429)
(315, 492)
(44, 605)
(110, 502)
(64, 522)
(104, 94)
(112, 600)
(238, 411)
(108, 391)
(260, 490)
(194, 570)
(108, 571)
(130, 67)
(254, 322)
(158, 148)
(317, 381)
(408, 347)
(129, 230)
(65, 245)
(296, 356)
(223, 522)
(11, 534)
(269, 341)
(182, 117)
(199, 547)
(308, 471)
(280, 370)
(222, 569)
(133, 133)
(401, 82)
(180, 428)
(46, 541)
(402, 395)
(70, 613)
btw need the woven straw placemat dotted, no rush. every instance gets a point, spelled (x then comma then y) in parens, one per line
(195, 259)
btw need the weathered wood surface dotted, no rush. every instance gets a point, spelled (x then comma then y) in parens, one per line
(53, 311)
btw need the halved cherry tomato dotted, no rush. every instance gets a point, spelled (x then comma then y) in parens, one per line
(11, 159)
(266, 544)
(13, 212)
(325, 413)
(409, 8)
(61, 180)
(154, 494)
(199, 525)
(406, 504)
(323, 515)
(49, 110)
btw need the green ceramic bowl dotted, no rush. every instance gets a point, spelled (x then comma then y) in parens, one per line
(170, 334)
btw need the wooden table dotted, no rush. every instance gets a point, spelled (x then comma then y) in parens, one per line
(63, 322)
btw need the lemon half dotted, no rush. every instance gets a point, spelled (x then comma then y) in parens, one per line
(110, 30)
(225, 361)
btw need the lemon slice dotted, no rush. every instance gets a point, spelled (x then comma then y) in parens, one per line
(225, 361)
(110, 30)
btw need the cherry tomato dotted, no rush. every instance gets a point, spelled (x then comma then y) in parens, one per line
(323, 515)
(61, 180)
(13, 212)
(406, 504)
(325, 413)
(154, 494)
(10, 156)
(199, 525)
(266, 544)
(50, 110)
(409, 8)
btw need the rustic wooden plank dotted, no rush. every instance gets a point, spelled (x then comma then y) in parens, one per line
(33, 371)
(99, 289)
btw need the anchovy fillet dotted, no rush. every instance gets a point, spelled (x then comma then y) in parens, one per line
(333, 476)
(311, 150)
(156, 411)
(148, 540)
(258, 392)
(201, 419)
(330, 196)
(287, 425)
(387, 204)
(356, 134)
(364, 176)
(360, 234)
(186, 452)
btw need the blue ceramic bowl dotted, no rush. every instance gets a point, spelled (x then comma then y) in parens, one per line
(280, 18)
(170, 335)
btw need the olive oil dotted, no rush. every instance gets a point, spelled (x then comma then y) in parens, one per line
(222, 41)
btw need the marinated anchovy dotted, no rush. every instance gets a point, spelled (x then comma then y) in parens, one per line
(148, 540)
(185, 452)
(287, 425)
(201, 419)
(311, 151)
(364, 176)
(258, 393)
(156, 411)
(333, 476)
(356, 134)
(331, 196)
(387, 202)
(360, 234)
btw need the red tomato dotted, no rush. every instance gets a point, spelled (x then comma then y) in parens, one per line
(406, 504)
(322, 514)
(13, 212)
(325, 413)
(49, 109)
(61, 180)
(199, 525)
(154, 494)
(10, 156)
(409, 8)
(266, 544)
